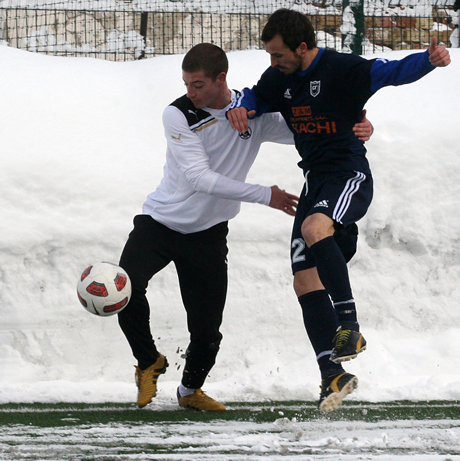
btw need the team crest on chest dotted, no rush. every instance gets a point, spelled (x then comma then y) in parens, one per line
(315, 88)
(246, 134)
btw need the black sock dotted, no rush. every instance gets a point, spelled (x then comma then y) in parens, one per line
(333, 273)
(320, 321)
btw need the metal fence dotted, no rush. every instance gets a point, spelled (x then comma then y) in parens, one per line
(126, 32)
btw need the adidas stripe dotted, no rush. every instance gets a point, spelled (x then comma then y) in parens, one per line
(350, 189)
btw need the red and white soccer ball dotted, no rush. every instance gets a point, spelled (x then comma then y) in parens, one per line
(104, 289)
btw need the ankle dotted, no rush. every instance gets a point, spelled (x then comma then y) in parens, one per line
(353, 326)
(184, 391)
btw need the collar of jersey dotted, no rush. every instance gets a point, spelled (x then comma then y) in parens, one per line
(224, 110)
(311, 67)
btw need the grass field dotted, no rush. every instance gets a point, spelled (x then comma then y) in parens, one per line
(253, 431)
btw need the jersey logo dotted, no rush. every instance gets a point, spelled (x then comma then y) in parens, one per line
(193, 112)
(287, 94)
(301, 111)
(246, 135)
(315, 88)
(323, 203)
(177, 138)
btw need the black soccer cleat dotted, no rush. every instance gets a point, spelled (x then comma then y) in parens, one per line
(334, 389)
(348, 344)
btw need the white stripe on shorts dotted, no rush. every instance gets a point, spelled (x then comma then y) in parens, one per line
(343, 203)
(306, 183)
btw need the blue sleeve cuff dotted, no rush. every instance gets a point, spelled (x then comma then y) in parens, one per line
(248, 99)
(245, 98)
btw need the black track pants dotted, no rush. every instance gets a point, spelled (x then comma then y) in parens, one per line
(201, 263)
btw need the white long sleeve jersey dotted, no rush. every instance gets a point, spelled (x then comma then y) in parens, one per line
(206, 165)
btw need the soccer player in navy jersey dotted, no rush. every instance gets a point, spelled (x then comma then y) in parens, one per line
(185, 220)
(321, 94)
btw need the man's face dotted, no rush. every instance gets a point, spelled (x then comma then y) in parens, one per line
(203, 91)
(282, 57)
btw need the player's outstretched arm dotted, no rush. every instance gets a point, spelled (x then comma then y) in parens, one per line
(439, 54)
(282, 200)
(364, 129)
(238, 118)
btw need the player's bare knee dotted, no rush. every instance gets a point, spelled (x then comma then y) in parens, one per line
(311, 233)
(316, 227)
(299, 287)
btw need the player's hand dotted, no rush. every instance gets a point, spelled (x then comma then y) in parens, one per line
(364, 129)
(439, 55)
(283, 201)
(238, 118)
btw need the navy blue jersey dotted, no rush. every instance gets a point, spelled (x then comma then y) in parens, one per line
(322, 103)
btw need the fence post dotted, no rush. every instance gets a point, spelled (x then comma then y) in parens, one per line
(143, 32)
(455, 36)
(353, 26)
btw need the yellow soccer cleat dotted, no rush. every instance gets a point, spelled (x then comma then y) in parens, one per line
(146, 380)
(199, 401)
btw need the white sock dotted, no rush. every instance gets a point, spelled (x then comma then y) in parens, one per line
(184, 391)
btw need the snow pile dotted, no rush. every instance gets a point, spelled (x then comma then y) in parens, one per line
(83, 145)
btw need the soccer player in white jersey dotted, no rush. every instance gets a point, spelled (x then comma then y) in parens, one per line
(185, 220)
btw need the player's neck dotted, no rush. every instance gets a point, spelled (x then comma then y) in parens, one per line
(223, 101)
(309, 57)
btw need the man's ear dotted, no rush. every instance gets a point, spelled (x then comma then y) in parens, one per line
(222, 77)
(302, 48)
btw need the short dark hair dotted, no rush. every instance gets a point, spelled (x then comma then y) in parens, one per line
(293, 26)
(207, 57)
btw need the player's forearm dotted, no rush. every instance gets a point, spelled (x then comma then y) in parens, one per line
(213, 183)
(393, 73)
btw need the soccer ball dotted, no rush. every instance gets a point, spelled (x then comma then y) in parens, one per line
(104, 289)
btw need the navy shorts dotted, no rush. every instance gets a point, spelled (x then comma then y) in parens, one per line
(345, 197)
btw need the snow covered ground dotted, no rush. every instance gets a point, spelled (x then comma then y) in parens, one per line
(81, 147)
(282, 439)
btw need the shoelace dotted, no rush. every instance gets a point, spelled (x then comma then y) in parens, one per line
(341, 338)
(200, 395)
